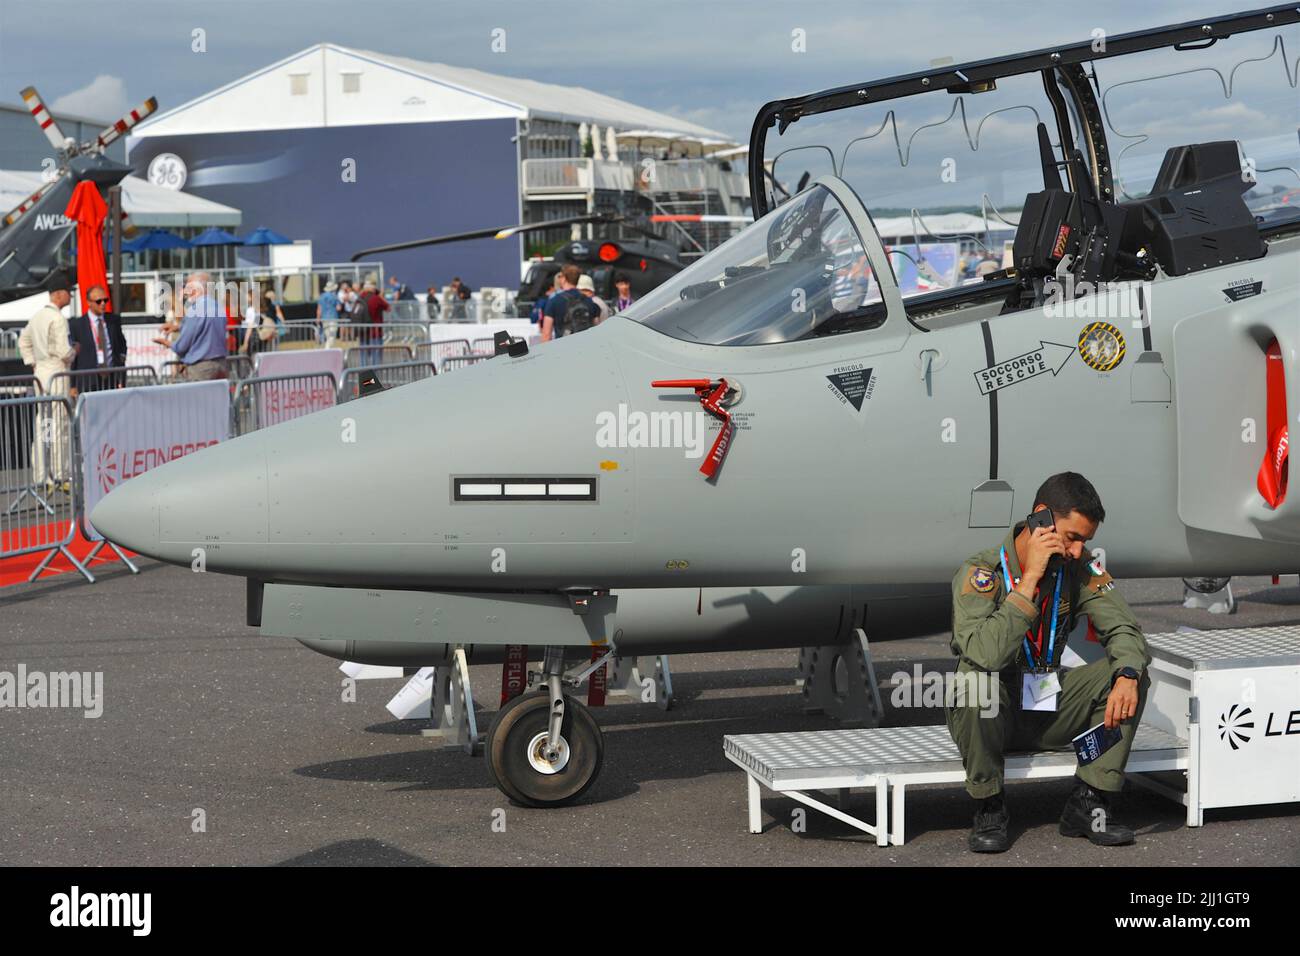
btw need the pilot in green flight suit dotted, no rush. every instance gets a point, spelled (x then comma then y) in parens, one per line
(1002, 601)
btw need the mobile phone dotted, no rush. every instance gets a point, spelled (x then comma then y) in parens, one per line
(1040, 519)
(1043, 519)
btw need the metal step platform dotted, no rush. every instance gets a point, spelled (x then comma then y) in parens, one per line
(892, 758)
(1223, 708)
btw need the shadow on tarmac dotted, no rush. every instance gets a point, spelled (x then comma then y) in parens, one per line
(356, 853)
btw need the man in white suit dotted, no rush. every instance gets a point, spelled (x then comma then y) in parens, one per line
(44, 346)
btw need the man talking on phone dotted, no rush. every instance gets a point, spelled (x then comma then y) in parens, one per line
(1013, 607)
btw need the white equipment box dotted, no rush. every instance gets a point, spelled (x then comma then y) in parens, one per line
(1234, 696)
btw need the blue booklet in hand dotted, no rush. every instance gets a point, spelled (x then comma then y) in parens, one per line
(1094, 742)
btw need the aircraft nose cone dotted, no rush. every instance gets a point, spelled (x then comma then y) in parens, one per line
(213, 499)
(128, 516)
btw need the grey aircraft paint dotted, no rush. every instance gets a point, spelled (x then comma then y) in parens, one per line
(863, 465)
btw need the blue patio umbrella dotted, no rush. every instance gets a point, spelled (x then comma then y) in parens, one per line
(216, 237)
(155, 239)
(261, 236)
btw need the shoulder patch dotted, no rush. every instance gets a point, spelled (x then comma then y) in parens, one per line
(1100, 581)
(1095, 566)
(981, 580)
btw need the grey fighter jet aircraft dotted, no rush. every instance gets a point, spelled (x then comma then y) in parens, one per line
(798, 417)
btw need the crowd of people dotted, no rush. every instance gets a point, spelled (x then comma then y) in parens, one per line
(570, 303)
(209, 322)
(258, 323)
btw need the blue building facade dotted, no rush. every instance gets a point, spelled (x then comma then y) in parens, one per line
(347, 188)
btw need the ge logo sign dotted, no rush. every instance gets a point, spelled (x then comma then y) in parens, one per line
(167, 170)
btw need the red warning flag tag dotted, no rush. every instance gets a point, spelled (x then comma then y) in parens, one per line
(711, 395)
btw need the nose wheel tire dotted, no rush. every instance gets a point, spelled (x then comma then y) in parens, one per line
(518, 760)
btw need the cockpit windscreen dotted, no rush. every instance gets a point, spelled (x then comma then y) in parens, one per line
(797, 272)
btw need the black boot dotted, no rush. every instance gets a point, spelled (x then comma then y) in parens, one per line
(1087, 814)
(989, 834)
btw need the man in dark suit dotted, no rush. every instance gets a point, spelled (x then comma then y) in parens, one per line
(98, 340)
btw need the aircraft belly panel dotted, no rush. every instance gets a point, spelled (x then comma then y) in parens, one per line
(421, 617)
(415, 627)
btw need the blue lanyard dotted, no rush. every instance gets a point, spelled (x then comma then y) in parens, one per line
(1056, 603)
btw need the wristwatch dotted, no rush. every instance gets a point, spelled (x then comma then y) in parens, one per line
(1125, 672)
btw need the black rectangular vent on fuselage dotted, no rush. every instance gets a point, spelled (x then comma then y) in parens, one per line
(534, 488)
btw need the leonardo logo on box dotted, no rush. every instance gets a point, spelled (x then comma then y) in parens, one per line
(1237, 725)
(1234, 724)
(112, 466)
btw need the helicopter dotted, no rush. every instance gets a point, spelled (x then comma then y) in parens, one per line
(32, 233)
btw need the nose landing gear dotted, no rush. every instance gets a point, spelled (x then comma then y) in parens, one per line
(544, 749)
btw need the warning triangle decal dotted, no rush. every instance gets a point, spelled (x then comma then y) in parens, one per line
(852, 385)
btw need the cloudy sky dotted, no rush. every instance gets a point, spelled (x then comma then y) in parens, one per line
(711, 62)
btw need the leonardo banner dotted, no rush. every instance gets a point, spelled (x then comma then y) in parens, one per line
(127, 431)
(299, 362)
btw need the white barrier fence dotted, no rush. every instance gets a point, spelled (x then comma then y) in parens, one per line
(351, 337)
(462, 361)
(270, 400)
(95, 379)
(38, 500)
(20, 386)
(389, 376)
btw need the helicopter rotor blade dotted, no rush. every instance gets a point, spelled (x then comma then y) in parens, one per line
(111, 133)
(509, 231)
(502, 232)
(28, 203)
(32, 100)
(700, 217)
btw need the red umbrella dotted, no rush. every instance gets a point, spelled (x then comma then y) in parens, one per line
(89, 210)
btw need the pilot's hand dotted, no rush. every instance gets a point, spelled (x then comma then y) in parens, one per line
(1122, 704)
(1043, 544)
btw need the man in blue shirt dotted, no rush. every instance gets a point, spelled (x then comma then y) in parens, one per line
(327, 313)
(202, 342)
(327, 307)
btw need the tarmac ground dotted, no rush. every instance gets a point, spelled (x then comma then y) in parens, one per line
(217, 747)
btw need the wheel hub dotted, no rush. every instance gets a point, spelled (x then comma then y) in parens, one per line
(539, 760)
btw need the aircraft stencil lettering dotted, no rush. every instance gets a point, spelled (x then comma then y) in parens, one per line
(1048, 357)
(852, 384)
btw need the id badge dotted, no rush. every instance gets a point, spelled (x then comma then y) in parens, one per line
(1039, 690)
